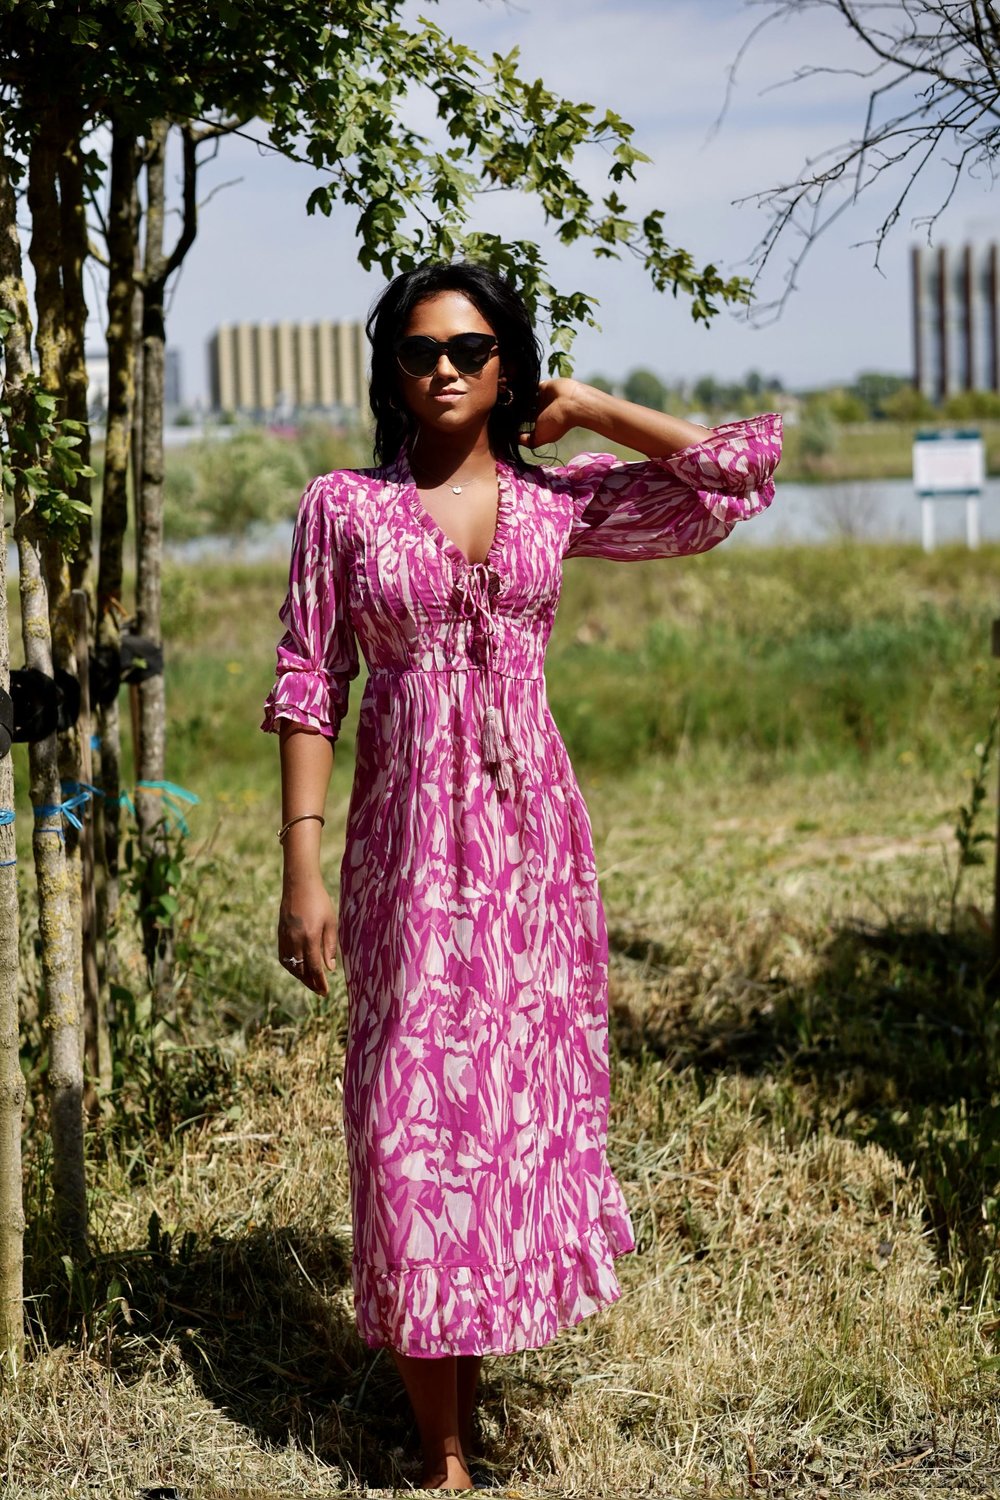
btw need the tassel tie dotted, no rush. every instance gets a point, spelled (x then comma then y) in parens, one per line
(477, 606)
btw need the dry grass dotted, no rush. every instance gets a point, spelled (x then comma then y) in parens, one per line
(792, 1322)
(805, 1111)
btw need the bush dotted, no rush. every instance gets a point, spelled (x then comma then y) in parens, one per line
(972, 406)
(818, 436)
(224, 488)
(908, 405)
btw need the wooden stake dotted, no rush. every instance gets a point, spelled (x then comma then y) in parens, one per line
(96, 1039)
(996, 867)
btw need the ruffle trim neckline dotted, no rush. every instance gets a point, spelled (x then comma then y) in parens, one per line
(437, 1310)
(398, 472)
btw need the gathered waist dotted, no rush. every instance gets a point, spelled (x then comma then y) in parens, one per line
(466, 667)
(484, 701)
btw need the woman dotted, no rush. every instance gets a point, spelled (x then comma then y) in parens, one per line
(485, 1215)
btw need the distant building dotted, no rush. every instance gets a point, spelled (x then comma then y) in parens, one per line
(955, 297)
(173, 398)
(281, 368)
(98, 381)
(97, 384)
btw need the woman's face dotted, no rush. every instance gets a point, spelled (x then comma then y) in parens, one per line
(447, 401)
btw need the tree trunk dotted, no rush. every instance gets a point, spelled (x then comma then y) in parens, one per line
(73, 235)
(11, 1077)
(151, 750)
(76, 750)
(122, 236)
(57, 880)
(13, 300)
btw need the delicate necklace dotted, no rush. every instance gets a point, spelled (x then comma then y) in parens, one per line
(456, 489)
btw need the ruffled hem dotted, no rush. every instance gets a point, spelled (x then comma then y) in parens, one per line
(309, 695)
(736, 458)
(432, 1311)
(274, 712)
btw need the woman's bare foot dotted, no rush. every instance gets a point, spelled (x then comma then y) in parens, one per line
(449, 1473)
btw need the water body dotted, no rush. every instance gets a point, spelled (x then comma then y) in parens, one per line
(801, 514)
(885, 510)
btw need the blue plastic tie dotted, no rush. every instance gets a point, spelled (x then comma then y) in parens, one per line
(172, 796)
(95, 742)
(6, 818)
(66, 809)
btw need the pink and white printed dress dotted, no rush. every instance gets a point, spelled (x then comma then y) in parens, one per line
(485, 1215)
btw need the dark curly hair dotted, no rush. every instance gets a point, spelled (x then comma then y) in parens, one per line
(503, 310)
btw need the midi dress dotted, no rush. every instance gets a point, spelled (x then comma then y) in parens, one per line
(485, 1215)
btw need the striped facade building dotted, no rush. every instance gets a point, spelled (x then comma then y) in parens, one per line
(955, 299)
(277, 368)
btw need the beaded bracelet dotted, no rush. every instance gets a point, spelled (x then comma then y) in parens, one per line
(301, 816)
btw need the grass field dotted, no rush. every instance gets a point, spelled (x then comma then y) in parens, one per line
(806, 1103)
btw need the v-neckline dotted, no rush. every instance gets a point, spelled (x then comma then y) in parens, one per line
(424, 518)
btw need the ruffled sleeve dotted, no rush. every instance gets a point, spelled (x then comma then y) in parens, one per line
(317, 655)
(686, 502)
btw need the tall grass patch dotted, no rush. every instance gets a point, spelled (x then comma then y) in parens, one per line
(805, 1067)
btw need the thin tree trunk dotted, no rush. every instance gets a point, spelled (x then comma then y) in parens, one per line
(47, 631)
(122, 237)
(11, 1077)
(75, 747)
(13, 300)
(157, 269)
(73, 226)
(151, 751)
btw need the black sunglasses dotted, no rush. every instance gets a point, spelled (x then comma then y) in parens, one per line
(468, 352)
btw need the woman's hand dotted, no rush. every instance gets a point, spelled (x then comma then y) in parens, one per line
(561, 405)
(307, 931)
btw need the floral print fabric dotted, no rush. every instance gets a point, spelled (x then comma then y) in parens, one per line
(485, 1215)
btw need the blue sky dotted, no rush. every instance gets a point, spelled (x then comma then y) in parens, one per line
(664, 66)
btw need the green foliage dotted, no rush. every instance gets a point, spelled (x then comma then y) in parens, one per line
(325, 448)
(845, 406)
(38, 451)
(645, 388)
(751, 394)
(972, 406)
(226, 487)
(815, 656)
(818, 436)
(907, 404)
(968, 835)
(874, 387)
(337, 90)
(506, 133)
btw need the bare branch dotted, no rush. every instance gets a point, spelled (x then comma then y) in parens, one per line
(947, 57)
(219, 188)
(189, 228)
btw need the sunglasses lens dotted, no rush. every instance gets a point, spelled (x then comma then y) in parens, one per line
(470, 351)
(417, 356)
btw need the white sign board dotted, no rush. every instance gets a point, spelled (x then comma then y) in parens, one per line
(948, 463)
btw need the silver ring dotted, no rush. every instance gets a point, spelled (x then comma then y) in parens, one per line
(295, 961)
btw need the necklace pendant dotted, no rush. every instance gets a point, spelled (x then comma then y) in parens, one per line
(456, 489)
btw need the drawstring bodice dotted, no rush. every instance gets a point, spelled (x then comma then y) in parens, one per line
(475, 585)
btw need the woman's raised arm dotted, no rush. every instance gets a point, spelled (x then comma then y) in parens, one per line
(563, 404)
